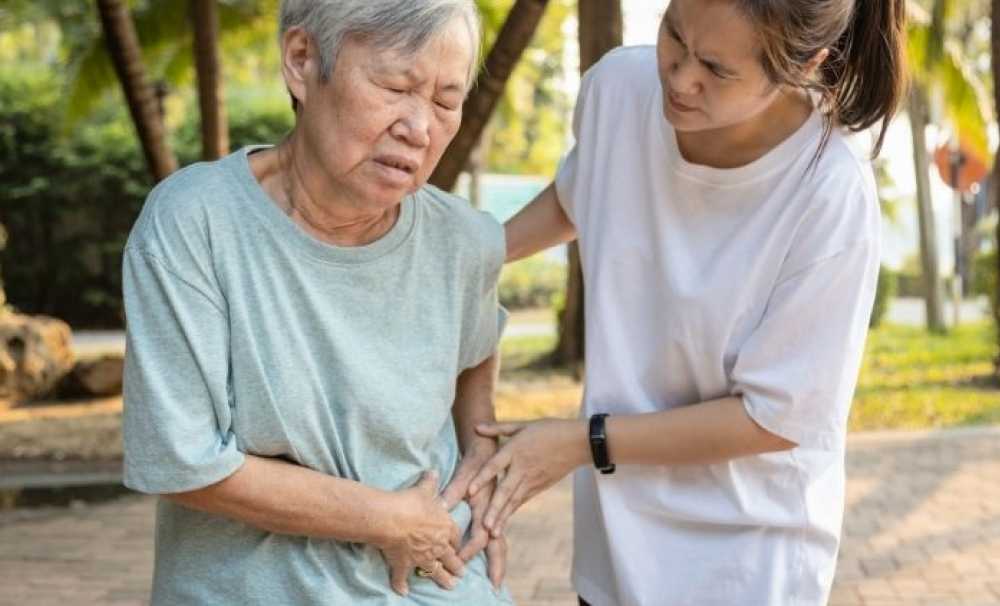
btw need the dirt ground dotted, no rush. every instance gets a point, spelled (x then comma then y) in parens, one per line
(91, 430)
(83, 430)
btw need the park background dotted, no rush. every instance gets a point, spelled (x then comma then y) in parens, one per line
(101, 99)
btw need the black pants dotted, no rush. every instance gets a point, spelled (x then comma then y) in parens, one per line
(583, 602)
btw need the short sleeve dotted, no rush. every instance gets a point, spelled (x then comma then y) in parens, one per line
(488, 318)
(567, 174)
(177, 420)
(798, 370)
(493, 321)
(565, 180)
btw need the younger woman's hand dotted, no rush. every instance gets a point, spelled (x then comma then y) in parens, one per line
(479, 537)
(537, 455)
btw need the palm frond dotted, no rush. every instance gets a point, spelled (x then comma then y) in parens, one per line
(917, 48)
(177, 68)
(941, 12)
(938, 63)
(163, 28)
(965, 102)
(90, 77)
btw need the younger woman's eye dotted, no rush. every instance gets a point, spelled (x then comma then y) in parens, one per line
(674, 34)
(716, 71)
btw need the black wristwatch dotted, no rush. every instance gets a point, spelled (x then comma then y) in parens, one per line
(599, 444)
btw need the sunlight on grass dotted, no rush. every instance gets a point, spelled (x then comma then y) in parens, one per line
(519, 352)
(530, 393)
(909, 380)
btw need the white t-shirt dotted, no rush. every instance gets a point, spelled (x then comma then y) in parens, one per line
(703, 283)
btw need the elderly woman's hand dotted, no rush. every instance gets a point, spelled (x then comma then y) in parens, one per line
(420, 535)
(537, 455)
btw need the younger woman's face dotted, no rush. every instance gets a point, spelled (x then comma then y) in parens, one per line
(710, 69)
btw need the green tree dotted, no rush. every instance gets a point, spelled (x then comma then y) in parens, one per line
(513, 37)
(165, 29)
(601, 29)
(995, 63)
(125, 53)
(179, 40)
(211, 93)
(938, 63)
(528, 130)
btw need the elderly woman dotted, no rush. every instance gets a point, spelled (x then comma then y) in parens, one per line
(311, 333)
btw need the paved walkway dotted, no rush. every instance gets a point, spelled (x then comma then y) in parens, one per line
(923, 527)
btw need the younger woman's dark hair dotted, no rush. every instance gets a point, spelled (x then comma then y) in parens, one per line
(863, 80)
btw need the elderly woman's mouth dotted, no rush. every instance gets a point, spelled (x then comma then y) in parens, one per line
(397, 164)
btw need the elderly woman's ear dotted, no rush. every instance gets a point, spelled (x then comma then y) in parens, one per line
(299, 63)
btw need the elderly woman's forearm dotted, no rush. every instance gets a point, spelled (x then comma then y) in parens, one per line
(284, 498)
(475, 392)
(539, 225)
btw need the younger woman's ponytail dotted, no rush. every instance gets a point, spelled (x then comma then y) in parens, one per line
(863, 79)
(868, 83)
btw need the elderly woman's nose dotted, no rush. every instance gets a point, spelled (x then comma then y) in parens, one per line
(413, 126)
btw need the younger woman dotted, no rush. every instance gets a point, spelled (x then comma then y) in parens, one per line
(729, 238)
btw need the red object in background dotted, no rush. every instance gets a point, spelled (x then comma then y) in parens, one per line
(971, 170)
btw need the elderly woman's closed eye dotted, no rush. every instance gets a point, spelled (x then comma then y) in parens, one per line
(312, 332)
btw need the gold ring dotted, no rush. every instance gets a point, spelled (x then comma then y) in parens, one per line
(424, 573)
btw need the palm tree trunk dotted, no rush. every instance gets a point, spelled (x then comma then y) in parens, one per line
(600, 31)
(995, 52)
(3, 293)
(933, 294)
(211, 94)
(123, 47)
(514, 37)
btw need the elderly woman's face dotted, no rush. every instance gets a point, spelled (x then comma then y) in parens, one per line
(380, 124)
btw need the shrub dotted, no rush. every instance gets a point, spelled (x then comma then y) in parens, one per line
(68, 203)
(252, 121)
(884, 293)
(532, 282)
(909, 284)
(985, 278)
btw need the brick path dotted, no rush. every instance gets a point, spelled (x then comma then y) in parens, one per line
(923, 527)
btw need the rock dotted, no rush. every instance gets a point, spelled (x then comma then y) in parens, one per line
(35, 354)
(97, 377)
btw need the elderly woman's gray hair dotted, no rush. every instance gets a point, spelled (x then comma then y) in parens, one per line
(386, 24)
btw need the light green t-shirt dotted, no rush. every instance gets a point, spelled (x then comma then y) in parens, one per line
(247, 335)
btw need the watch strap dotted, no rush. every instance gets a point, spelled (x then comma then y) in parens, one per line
(599, 444)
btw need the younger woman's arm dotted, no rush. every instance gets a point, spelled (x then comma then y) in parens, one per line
(541, 224)
(540, 453)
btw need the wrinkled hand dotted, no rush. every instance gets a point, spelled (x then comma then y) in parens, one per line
(537, 455)
(479, 538)
(420, 533)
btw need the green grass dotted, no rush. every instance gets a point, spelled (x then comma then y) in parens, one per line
(519, 352)
(909, 380)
